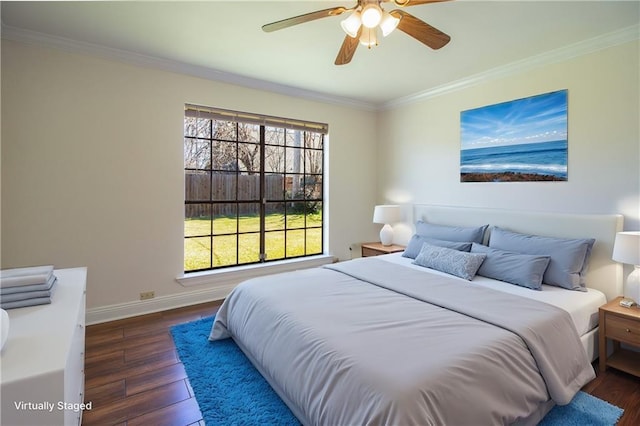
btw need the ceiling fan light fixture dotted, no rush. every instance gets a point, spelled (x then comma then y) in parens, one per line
(352, 24)
(369, 38)
(371, 15)
(388, 23)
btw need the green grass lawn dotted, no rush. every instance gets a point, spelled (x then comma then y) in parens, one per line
(245, 248)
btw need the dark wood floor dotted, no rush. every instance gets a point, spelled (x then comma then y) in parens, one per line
(134, 377)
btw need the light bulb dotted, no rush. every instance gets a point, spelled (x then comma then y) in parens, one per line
(371, 15)
(351, 25)
(388, 23)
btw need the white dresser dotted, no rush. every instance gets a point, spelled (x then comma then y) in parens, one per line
(42, 361)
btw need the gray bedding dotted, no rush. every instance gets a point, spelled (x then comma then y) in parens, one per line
(371, 342)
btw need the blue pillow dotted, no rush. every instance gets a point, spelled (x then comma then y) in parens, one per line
(451, 233)
(454, 262)
(569, 257)
(525, 270)
(416, 242)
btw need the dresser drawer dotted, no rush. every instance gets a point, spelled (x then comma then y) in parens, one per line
(366, 251)
(623, 329)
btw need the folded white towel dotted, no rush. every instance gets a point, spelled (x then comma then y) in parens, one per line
(25, 303)
(25, 276)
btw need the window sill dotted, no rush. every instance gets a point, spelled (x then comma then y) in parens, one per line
(241, 273)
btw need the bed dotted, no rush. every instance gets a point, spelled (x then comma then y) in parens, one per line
(385, 341)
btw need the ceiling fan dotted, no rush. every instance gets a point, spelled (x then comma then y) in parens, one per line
(367, 18)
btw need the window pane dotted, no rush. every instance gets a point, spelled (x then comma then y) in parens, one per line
(293, 160)
(274, 219)
(274, 135)
(225, 220)
(274, 245)
(248, 187)
(314, 241)
(225, 130)
(224, 250)
(224, 186)
(197, 154)
(197, 186)
(293, 138)
(224, 156)
(274, 187)
(313, 187)
(295, 243)
(249, 248)
(197, 220)
(249, 132)
(294, 219)
(197, 253)
(203, 129)
(190, 126)
(274, 159)
(313, 140)
(248, 157)
(249, 220)
(313, 161)
(314, 215)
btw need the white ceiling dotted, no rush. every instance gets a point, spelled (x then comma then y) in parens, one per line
(225, 37)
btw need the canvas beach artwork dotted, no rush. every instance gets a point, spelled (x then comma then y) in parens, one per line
(519, 140)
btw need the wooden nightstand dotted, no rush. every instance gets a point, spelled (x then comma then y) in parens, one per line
(376, 249)
(622, 325)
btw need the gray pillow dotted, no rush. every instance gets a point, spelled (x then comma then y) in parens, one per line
(416, 242)
(569, 257)
(451, 233)
(525, 270)
(454, 262)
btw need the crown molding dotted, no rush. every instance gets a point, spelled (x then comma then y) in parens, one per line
(132, 58)
(614, 38)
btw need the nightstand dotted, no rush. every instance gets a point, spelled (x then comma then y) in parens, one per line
(622, 325)
(376, 249)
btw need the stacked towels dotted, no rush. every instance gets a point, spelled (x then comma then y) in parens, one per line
(22, 287)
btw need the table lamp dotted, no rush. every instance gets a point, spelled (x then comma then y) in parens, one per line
(626, 249)
(386, 214)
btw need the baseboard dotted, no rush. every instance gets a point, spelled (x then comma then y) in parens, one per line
(161, 303)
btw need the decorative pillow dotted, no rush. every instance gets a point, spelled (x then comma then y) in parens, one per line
(454, 262)
(416, 242)
(569, 257)
(525, 270)
(451, 233)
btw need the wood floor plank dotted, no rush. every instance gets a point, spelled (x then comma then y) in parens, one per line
(138, 404)
(106, 394)
(182, 413)
(156, 378)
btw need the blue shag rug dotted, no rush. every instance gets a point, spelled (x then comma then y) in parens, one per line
(230, 391)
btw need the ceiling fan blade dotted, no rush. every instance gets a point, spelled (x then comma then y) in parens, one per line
(318, 14)
(407, 3)
(347, 49)
(420, 30)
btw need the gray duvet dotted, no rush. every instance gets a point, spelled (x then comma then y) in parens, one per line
(369, 342)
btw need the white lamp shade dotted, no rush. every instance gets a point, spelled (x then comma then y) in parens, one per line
(388, 23)
(371, 15)
(626, 248)
(368, 37)
(386, 214)
(351, 25)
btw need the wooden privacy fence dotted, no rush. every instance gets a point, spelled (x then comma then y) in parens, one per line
(198, 187)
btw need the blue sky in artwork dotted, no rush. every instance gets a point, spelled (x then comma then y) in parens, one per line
(541, 118)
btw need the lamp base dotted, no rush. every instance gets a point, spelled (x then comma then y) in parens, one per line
(386, 235)
(632, 286)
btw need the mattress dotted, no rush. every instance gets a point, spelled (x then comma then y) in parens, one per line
(581, 306)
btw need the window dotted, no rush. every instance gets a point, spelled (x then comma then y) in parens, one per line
(253, 188)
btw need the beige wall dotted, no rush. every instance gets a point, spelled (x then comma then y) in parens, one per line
(419, 143)
(92, 169)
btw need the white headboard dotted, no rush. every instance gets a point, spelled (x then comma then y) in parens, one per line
(604, 274)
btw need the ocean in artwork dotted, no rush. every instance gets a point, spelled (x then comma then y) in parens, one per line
(545, 159)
